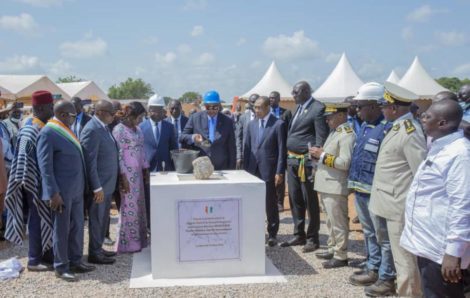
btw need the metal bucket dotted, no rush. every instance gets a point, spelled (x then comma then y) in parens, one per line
(183, 160)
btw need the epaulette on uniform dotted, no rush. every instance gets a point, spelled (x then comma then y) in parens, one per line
(409, 127)
(348, 129)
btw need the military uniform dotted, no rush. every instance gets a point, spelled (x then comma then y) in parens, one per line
(331, 182)
(401, 152)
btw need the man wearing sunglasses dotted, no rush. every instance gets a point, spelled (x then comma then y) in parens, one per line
(212, 133)
(101, 157)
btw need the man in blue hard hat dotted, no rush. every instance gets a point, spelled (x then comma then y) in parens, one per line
(212, 133)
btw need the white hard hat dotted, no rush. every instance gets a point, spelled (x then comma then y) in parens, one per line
(370, 91)
(156, 101)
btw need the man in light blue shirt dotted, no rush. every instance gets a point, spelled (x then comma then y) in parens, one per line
(437, 213)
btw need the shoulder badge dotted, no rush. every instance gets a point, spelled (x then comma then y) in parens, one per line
(348, 129)
(338, 129)
(409, 127)
(396, 127)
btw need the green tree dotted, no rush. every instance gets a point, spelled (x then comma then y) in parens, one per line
(131, 89)
(68, 79)
(189, 97)
(453, 84)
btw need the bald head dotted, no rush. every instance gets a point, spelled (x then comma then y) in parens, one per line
(445, 95)
(116, 105)
(64, 110)
(104, 110)
(103, 105)
(442, 118)
(301, 92)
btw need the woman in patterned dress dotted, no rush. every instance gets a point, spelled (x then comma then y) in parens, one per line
(132, 234)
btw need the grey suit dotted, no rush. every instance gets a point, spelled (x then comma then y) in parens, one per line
(101, 157)
(63, 171)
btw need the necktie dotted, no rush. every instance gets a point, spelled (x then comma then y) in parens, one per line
(75, 127)
(261, 132)
(212, 129)
(157, 133)
(297, 115)
(177, 132)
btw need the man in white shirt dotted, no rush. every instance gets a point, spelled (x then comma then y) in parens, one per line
(437, 227)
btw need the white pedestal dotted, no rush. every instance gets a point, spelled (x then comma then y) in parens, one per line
(207, 228)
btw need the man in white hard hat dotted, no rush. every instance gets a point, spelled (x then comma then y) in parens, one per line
(401, 152)
(159, 140)
(378, 277)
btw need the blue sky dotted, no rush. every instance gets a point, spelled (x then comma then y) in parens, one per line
(197, 45)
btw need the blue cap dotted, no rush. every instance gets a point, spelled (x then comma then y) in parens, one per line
(211, 97)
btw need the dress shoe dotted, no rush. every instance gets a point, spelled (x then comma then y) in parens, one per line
(381, 288)
(39, 268)
(367, 278)
(67, 276)
(272, 241)
(81, 268)
(109, 254)
(360, 263)
(310, 246)
(324, 255)
(334, 263)
(280, 207)
(294, 241)
(108, 241)
(102, 260)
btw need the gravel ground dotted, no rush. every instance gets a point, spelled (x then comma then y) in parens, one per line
(304, 273)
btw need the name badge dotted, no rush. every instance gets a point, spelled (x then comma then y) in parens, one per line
(371, 148)
(373, 141)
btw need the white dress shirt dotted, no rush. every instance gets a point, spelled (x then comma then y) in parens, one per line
(437, 214)
(179, 128)
(155, 126)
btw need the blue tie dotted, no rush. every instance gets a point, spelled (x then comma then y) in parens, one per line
(157, 133)
(212, 129)
(261, 132)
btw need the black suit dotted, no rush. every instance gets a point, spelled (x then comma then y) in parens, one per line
(264, 157)
(183, 120)
(286, 116)
(222, 151)
(308, 126)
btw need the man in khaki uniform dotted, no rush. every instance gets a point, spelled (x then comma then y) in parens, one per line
(331, 182)
(401, 152)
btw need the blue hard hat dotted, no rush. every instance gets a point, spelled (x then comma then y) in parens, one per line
(211, 97)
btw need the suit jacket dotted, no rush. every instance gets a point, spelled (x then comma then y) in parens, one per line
(285, 115)
(266, 157)
(83, 122)
(183, 121)
(401, 152)
(101, 156)
(158, 153)
(61, 165)
(240, 133)
(222, 151)
(310, 126)
(332, 172)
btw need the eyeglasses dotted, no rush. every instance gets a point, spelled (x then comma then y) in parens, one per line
(213, 108)
(71, 115)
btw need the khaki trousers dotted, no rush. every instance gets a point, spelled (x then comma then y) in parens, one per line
(406, 264)
(337, 223)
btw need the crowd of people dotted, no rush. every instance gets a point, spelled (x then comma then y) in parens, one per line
(409, 175)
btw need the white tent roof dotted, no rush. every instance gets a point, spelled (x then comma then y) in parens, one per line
(393, 78)
(271, 81)
(84, 90)
(341, 83)
(25, 85)
(417, 80)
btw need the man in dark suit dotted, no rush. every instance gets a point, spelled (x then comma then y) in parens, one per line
(213, 133)
(101, 158)
(265, 157)
(62, 168)
(159, 137)
(176, 118)
(308, 126)
(242, 126)
(286, 116)
(82, 118)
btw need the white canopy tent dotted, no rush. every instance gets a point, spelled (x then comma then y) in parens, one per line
(341, 83)
(23, 86)
(417, 80)
(271, 81)
(393, 78)
(84, 90)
